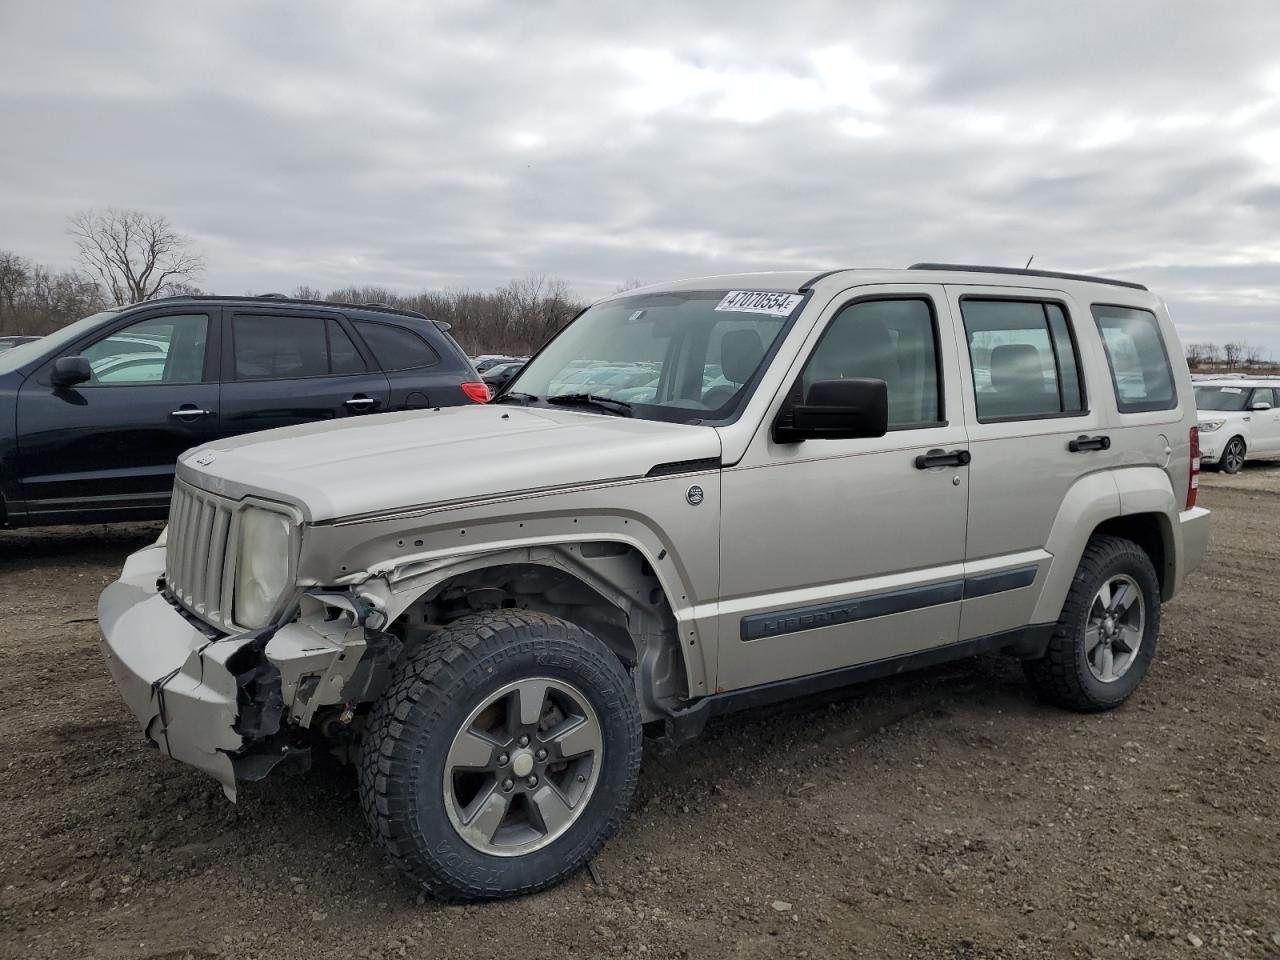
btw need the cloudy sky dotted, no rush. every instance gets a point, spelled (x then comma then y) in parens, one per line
(443, 144)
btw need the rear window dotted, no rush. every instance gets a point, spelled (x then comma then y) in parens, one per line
(1140, 370)
(396, 348)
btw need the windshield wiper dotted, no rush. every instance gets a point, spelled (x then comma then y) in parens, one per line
(514, 395)
(620, 407)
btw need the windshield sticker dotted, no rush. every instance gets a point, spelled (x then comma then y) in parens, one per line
(1232, 390)
(755, 301)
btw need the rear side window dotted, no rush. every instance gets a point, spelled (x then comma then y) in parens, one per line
(289, 348)
(1140, 369)
(396, 348)
(889, 340)
(1023, 358)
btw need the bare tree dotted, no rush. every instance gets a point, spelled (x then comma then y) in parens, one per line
(1233, 353)
(138, 256)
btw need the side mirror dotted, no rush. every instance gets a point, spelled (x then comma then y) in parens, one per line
(836, 410)
(1260, 405)
(68, 371)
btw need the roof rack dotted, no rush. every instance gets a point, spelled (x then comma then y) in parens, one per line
(1020, 272)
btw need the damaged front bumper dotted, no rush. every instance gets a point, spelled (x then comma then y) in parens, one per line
(217, 702)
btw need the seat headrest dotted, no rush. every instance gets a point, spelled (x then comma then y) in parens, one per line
(1016, 366)
(740, 353)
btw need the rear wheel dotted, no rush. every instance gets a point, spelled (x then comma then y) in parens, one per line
(1233, 455)
(1105, 638)
(503, 756)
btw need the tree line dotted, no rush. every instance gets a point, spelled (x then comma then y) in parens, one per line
(1236, 355)
(129, 256)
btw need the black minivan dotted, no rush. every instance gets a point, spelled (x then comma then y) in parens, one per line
(93, 416)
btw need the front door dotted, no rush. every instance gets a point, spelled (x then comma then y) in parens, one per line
(107, 447)
(282, 368)
(1266, 423)
(843, 552)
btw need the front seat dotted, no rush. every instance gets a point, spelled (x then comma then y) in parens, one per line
(740, 354)
(1018, 382)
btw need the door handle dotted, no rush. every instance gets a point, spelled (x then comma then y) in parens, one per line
(943, 458)
(1082, 444)
(361, 403)
(190, 413)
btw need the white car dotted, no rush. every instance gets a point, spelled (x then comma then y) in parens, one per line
(1239, 420)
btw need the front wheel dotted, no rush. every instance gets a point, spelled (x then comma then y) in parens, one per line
(1233, 456)
(502, 757)
(1105, 639)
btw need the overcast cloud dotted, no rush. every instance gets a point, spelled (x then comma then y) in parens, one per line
(443, 144)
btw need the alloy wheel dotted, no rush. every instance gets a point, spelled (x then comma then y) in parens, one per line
(1114, 628)
(523, 766)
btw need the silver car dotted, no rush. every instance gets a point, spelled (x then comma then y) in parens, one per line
(827, 478)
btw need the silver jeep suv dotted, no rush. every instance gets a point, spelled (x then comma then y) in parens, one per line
(700, 496)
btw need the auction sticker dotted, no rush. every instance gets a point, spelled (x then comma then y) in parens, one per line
(758, 301)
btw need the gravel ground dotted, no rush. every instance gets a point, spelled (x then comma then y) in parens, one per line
(944, 814)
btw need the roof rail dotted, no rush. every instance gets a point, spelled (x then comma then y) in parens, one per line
(1020, 272)
(274, 296)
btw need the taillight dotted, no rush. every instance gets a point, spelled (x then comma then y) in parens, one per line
(1193, 482)
(476, 392)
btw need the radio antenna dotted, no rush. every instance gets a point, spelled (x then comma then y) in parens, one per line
(1029, 259)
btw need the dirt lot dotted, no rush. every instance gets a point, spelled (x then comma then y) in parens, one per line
(944, 815)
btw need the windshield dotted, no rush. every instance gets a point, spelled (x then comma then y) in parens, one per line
(23, 354)
(686, 356)
(1221, 398)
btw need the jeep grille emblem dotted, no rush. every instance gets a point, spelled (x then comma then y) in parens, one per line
(694, 495)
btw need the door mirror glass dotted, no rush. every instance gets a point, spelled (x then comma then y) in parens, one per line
(1261, 405)
(836, 410)
(68, 371)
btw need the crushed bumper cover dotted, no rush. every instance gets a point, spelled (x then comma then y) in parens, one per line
(174, 678)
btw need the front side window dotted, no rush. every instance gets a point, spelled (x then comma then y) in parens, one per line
(1263, 395)
(1140, 369)
(889, 340)
(687, 356)
(155, 350)
(1023, 359)
(287, 348)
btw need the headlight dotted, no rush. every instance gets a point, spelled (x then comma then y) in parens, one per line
(262, 565)
(1208, 426)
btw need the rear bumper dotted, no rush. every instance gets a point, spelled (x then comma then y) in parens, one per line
(173, 677)
(1193, 525)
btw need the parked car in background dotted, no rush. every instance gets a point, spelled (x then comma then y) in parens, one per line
(93, 416)
(500, 375)
(835, 477)
(1239, 420)
(8, 343)
(487, 361)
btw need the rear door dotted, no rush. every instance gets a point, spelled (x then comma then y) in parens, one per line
(1033, 433)
(283, 367)
(106, 449)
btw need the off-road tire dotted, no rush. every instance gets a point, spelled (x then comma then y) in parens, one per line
(1062, 676)
(408, 736)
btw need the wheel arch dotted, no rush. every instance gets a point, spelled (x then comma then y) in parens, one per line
(609, 587)
(1137, 503)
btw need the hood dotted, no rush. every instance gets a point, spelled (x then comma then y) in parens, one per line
(419, 458)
